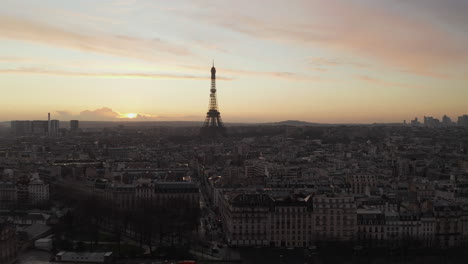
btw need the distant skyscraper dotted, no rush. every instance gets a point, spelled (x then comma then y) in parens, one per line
(40, 126)
(430, 121)
(446, 121)
(48, 123)
(463, 120)
(415, 122)
(19, 128)
(54, 128)
(213, 125)
(74, 125)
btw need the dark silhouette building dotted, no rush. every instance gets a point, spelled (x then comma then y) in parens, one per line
(74, 125)
(20, 128)
(8, 243)
(213, 126)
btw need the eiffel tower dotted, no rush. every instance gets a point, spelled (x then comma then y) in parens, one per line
(213, 126)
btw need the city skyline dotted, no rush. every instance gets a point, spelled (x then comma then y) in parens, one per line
(335, 62)
(135, 118)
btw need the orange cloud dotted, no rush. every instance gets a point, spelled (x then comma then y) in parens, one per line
(379, 82)
(330, 62)
(105, 113)
(100, 114)
(108, 114)
(106, 75)
(280, 75)
(400, 41)
(117, 45)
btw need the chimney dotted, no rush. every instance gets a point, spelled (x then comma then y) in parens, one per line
(48, 124)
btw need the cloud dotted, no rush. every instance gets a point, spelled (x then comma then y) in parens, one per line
(279, 75)
(102, 114)
(62, 14)
(108, 114)
(12, 59)
(380, 33)
(64, 113)
(124, 2)
(287, 75)
(332, 62)
(210, 46)
(146, 117)
(451, 13)
(319, 69)
(107, 74)
(270, 74)
(98, 42)
(379, 82)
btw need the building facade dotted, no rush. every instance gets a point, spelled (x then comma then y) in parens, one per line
(8, 244)
(293, 221)
(38, 192)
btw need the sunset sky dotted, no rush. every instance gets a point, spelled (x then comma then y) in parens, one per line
(334, 61)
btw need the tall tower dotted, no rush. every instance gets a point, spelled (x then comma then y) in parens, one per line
(213, 126)
(48, 124)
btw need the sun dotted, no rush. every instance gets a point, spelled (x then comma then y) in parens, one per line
(130, 115)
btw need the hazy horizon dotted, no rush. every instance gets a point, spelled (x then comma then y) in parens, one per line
(235, 120)
(127, 120)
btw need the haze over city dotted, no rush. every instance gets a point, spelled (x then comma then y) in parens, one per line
(356, 61)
